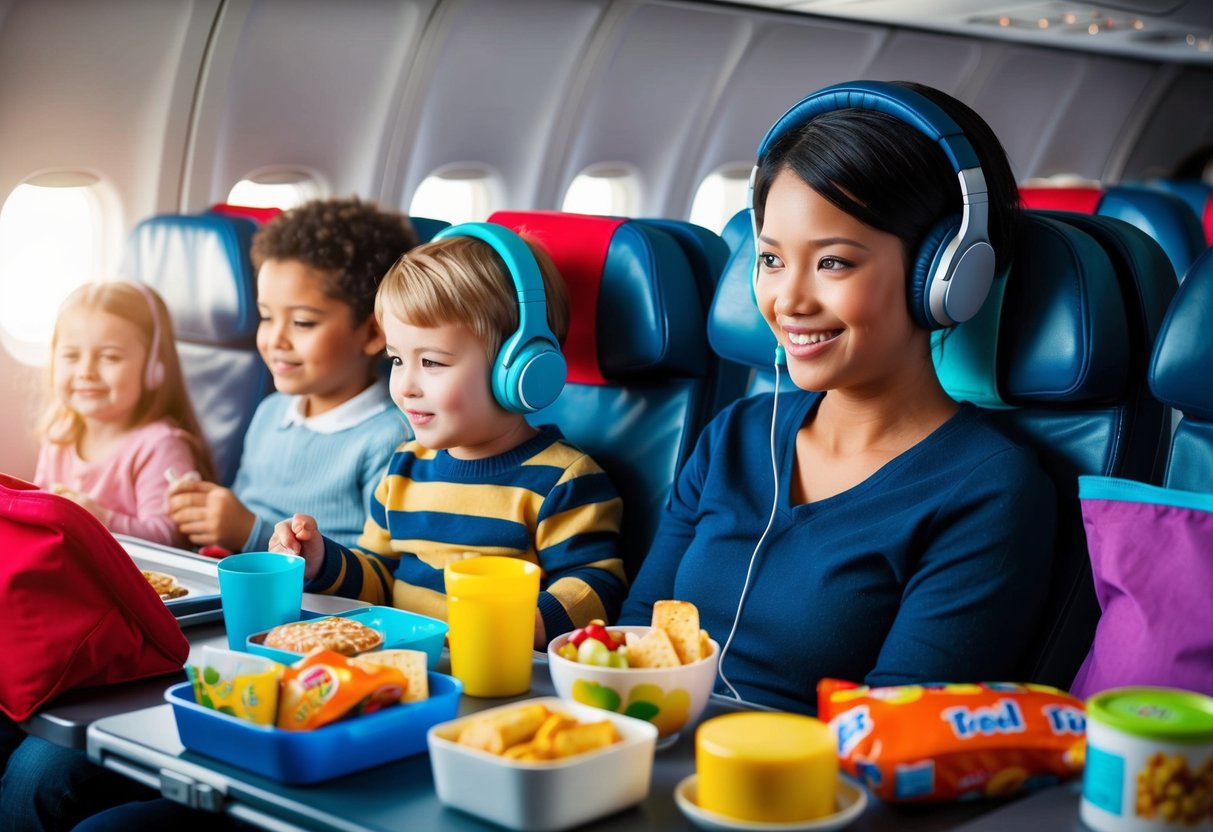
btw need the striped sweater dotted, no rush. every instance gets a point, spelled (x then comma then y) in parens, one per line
(544, 501)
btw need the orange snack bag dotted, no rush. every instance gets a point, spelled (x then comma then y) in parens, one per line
(918, 743)
(325, 686)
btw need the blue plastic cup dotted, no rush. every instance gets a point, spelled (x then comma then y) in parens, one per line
(259, 590)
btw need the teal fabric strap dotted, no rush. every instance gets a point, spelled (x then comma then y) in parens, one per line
(1113, 488)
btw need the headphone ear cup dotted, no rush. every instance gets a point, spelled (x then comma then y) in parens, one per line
(923, 272)
(533, 381)
(154, 376)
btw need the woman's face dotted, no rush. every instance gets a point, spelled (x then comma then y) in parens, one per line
(833, 290)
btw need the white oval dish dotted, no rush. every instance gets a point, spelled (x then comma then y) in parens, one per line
(851, 801)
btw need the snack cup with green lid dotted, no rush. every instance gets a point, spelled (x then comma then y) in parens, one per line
(1149, 762)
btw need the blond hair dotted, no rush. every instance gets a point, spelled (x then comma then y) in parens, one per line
(462, 280)
(170, 401)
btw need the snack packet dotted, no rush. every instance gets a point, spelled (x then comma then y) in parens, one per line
(236, 683)
(325, 686)
(954, 741)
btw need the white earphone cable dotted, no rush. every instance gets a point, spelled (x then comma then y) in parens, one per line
(745, 587)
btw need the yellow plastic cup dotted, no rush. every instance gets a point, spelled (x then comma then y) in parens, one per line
(491, 612)
(766, 767)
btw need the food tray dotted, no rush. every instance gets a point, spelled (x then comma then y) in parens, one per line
(400, 628)
(330, 751)
(197, 574)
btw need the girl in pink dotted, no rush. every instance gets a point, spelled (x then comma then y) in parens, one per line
(120, 425)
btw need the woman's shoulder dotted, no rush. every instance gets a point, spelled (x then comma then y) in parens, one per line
(978, 441)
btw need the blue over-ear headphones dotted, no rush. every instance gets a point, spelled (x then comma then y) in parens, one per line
(954, 266)
(529, 371)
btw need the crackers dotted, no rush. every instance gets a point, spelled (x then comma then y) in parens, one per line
(675, 638)
(411, 663)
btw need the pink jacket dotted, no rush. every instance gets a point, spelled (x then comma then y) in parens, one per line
(130, 481)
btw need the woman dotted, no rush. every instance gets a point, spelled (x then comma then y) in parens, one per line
(901, 537)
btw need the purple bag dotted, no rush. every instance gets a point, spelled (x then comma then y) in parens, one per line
(1152, 560)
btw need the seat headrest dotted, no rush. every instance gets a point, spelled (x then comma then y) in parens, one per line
(1052, 331)
(1182, 364)
(736, 329)
(426, 227)
(1198, 195)
(255, 213)
(633, 302)
(200, 266)
(1084, 200)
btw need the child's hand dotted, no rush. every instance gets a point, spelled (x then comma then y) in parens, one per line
(209, 514)
(300, 536)
(83, 500)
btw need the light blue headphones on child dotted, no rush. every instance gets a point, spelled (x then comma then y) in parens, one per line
(529, 371)
(954, 266)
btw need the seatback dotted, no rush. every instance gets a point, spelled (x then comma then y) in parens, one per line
(1057, 355)
(1181, 376)
(736, 329)
(1075, 321)
(1165, 217)
(1198, 195)
(637, 381)
(200, 266)
(425, 227)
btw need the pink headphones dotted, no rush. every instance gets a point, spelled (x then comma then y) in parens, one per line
(153, 373)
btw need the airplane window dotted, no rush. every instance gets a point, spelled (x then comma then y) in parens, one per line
(278, 189)
(457, 196)
(721, 195)
(613, 190)
(52, 239)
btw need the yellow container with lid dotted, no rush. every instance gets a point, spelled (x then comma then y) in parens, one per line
(770, 767)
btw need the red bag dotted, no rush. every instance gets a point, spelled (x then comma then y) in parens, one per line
(75, 611)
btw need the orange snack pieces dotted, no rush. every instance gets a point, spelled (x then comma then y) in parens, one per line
(920, 743)
(532, 733)
(325, 686)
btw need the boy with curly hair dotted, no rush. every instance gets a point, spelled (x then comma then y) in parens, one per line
(318, 268)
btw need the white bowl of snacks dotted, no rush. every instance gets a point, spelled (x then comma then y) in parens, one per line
(662, 674)
(542, 764)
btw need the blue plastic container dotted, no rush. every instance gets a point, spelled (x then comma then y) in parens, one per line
(400, 628)
(335, 749)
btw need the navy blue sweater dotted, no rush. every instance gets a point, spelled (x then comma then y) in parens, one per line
(932, 569)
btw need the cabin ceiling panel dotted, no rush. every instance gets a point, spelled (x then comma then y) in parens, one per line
(496, 88)
(784, 61)
(305, 84)
(656, 89)
(1179, 124)
(1090, 128)
(938, 61)
(103, 88)
(1023, 94)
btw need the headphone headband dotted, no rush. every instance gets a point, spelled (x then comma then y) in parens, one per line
(153, 372)
(952, 273)
(529, 371)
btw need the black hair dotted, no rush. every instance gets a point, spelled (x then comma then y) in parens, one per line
(350, 242)
(892, 177)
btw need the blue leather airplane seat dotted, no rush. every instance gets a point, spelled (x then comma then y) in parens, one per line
(1197, 193)
(1165, 217)
(736, 330)
(200, 266)
(708, 255)
(637, 387)
(426, 227)
(1073, 323)
(1180, 376)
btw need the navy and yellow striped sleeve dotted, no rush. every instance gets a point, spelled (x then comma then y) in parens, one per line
(366, 571)
(577, 544)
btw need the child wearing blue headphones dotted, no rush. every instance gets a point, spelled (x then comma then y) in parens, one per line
(863, 526)
(473, 322)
